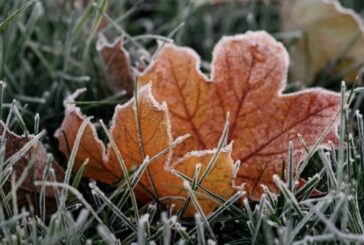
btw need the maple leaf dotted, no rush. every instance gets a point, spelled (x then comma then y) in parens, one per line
(136, 139)
(248, 77)
(116, 64)
(20, 152)
(330, 32)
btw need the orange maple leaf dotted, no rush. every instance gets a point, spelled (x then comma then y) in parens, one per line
(140, 131)
(248, 76)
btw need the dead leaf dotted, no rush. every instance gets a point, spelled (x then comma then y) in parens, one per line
(155, 132)
(219, 180)
(116, 64)
(248, 77)
(90, 146)
(329, 32)
(37, 153)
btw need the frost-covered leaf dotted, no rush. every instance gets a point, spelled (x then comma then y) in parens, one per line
(154, 128)
(34, 161)
(248, 76)
(116, 64)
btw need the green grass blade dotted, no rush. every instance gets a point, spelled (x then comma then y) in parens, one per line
(11, 18)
